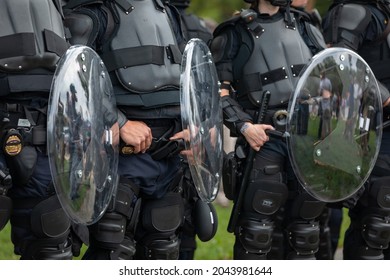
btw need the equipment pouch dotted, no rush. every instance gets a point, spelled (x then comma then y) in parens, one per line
(229, 177)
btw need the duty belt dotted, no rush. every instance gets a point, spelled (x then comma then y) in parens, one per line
(159, 149)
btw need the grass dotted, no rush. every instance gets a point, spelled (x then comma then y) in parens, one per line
(219, 248)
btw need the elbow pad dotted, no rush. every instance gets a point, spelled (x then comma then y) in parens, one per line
(82, 28)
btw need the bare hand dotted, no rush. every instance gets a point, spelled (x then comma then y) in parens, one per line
(136, 134)
(185, 135)
(255, 135)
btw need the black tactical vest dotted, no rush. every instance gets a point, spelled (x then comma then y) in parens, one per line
(32, 40)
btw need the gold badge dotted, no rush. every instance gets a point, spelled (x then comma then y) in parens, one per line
(127, 150)
(13, 144)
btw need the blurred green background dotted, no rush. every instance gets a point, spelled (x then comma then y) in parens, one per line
(220, 10)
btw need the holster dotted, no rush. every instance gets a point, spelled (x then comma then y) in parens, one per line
(230, 174)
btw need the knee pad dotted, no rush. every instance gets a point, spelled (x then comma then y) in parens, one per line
(379, 194)
(157, 231)
(376, 231)
(5, 210)
(120, 219)
(255, 236)
(375, 224)
(51, 227)
(125, 250)
(205, 220)
(304, 238)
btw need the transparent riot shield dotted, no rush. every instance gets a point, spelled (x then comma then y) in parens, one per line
(202, 118)
(83, 135)
(335, 124)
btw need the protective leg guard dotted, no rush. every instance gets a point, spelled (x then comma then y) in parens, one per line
(303, 230)
(108, 234)
(5, 210)
(256, 236)
(369, 232)
(262, 200)
(304, 239)
(51, 228)
(157, 236)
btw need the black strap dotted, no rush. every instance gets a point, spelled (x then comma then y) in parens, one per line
(134, 56)
(296, 69)
(125, 5)
(23, 44)
(25, 83)
(142, 55)
(149, 100)
(174, 54)
(55, 43)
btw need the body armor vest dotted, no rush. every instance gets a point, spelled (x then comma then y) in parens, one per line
(274, 64)
(31, 38)
(145, 56)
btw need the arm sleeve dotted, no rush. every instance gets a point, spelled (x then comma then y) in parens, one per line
(224, 48)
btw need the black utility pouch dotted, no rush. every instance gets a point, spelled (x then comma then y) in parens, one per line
(229, 175)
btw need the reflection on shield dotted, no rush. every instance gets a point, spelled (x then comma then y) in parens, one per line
(335, 124)
(202, 118)
(83, 135)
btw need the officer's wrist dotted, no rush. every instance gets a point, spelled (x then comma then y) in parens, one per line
(121, 119)
(243, 127)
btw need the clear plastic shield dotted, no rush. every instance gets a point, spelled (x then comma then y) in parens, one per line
(202, 118)
(335, 124)
(83, 135)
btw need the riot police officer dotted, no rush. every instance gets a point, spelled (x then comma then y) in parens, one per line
(31, 46)
(145, 217)
(249, 52)
(367, 33)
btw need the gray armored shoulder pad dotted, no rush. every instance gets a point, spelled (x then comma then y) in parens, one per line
(229, 23)
(222, 39)
(345, 24)
(354, 17)
(316, 36)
